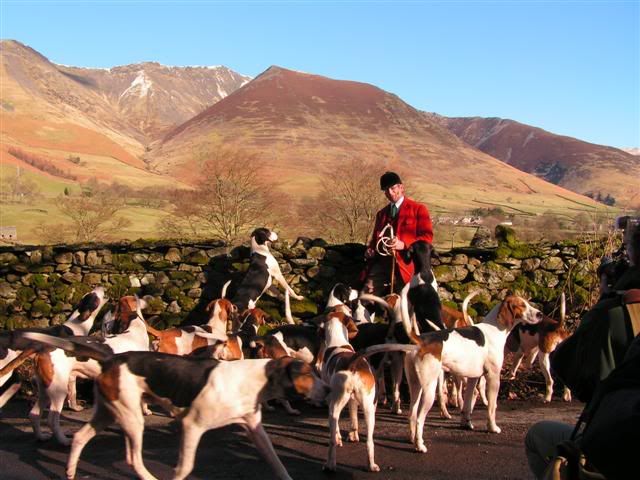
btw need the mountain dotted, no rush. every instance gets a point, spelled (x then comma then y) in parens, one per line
(105, 117)
(150, 125)
(582, 167)
(154, 98)
(299, 124)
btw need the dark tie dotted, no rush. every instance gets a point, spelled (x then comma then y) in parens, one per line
(394, 210)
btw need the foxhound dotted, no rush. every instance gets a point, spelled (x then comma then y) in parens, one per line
(263, 271)
(352, 381)
(15, 350)
(469, 352)
(203, 393)
(529, 341)
(56, 372)
(185, 340)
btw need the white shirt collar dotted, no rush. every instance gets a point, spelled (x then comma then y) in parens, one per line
(399, 202)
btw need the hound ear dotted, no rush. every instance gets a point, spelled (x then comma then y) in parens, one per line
(508, 314)
(209, 308)
(279, 374)
(262, 317)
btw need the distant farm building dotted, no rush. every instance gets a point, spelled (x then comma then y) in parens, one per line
(9, 233)
(463, 221)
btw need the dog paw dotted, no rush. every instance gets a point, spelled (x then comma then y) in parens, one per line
(353, 437)
(76, 407)
(397, 411)
(329, 468)
(494, 429)
(293, 411)
(445, 414)
(43, 437)
(66, 441)
(374, 468)
(466, 425)
(421, 448)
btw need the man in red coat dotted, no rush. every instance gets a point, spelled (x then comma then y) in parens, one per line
(410, 221)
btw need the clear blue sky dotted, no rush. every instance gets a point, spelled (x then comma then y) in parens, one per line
(570, 67)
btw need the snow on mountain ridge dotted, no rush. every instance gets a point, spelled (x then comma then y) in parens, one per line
(140, 85)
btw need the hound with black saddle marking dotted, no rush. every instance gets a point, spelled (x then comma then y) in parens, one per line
(203, 394)
(470, 352)
(263, 271)
(352, 381)
(56, 372)
(15, 349)
(422, 288)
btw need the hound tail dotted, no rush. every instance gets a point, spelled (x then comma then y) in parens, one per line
(8, 393)
(16, 362)
(92, 347)
(465, 306)
(388, 347)
(224, 289)
(563, 309)
(406, 322)
(152, 331)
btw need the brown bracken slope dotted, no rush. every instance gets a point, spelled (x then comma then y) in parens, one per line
(571, 163)
(299, 124)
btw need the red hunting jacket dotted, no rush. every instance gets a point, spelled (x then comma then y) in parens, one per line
(412, 223)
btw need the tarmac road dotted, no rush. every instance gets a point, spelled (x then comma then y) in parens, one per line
(301, 442)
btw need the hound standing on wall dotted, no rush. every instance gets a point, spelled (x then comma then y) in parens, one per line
(263, 270)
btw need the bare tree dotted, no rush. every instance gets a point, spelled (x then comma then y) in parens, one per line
(19, 188)
(93, 215)
(346, 206)
(227, 203)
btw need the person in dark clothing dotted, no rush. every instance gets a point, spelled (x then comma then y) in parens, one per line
(543, 438)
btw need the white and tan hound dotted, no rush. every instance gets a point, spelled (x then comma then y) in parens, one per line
(185, 340)
(352, 381)
(540, 340)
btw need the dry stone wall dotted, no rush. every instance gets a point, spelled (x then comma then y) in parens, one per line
(39, 285)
